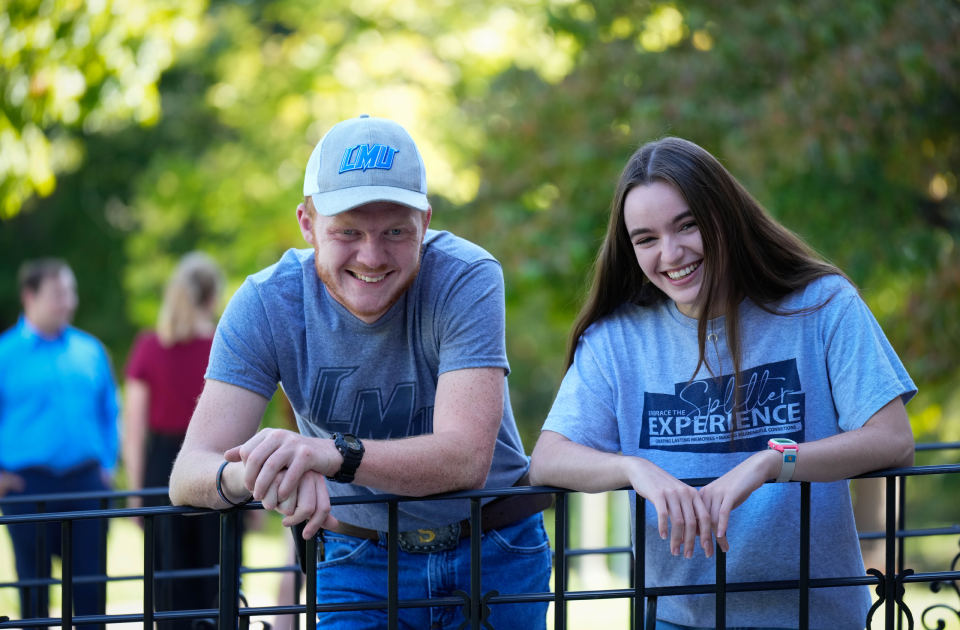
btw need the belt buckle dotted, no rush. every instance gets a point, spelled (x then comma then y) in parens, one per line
(430, 540)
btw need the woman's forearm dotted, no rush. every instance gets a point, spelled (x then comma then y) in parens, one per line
(558, 461)
(885, 441)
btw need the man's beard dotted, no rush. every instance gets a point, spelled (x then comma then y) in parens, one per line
(330, 282)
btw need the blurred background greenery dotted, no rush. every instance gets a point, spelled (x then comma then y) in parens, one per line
(133, 131)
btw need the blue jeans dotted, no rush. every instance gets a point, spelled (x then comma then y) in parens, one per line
(666, 625)
(86, 537)
(514, 559)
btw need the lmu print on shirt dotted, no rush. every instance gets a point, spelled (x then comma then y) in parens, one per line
(698, 416)
(374, 416)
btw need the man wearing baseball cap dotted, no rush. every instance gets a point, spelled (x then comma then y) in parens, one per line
(388, 340)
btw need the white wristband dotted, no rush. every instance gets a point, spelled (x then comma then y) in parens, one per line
(789, 463)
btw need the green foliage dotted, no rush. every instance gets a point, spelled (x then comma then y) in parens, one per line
(813, 106)
(69, 65)
(840, 118)
(278, 75)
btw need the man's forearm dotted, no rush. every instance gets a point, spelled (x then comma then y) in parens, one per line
(423, 465)
(194, 480)
(226, 415)
(458, 454)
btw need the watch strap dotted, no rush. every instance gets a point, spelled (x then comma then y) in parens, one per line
(351, 457)
(789, 463)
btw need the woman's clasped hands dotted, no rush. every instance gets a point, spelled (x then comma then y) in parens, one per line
(685, 513)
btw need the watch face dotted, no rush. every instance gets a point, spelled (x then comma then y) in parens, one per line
(351, 442)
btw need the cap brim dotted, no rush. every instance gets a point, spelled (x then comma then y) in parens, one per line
(334, 202)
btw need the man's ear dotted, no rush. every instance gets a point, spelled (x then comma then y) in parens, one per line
(426, 219)
(306, 224)
(26, 297)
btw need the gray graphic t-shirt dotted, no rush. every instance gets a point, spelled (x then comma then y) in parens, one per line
(377, 381)
(804, 377)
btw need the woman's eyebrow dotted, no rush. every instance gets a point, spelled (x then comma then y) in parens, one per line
(686, 214)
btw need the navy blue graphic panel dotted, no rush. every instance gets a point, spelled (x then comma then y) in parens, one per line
(699, 415)
(374, 416)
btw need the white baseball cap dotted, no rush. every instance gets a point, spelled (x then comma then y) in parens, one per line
(363, 160)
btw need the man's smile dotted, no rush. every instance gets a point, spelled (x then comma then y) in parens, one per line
(365, 278)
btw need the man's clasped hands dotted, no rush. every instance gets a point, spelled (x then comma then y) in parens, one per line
(285, 471)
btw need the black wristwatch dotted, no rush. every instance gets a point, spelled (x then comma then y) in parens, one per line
(352, 450)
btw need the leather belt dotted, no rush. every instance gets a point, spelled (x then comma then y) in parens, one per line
(498, 513)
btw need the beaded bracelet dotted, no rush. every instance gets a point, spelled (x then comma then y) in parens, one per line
(220, 489)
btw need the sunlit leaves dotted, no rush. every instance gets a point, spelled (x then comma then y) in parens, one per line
(72, 65)
(840, 117)
(662, 29)
(283, 73)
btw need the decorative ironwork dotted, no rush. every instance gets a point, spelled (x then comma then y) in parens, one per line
(466, 610)
(935, 587)
(900, 590)
(881, 595)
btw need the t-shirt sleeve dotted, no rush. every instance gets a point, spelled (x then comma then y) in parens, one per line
(585, 408)
(473, 321)
(865, 373)
(243, 352)
(139, 362)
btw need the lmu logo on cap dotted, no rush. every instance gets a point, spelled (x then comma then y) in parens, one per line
(360, 157)
(355, 163)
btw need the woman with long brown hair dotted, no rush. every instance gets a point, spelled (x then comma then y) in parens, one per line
(715, 343)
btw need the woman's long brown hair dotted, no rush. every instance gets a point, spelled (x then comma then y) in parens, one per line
(747, 254)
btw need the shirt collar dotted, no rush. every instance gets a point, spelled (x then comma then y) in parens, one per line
(29, 332)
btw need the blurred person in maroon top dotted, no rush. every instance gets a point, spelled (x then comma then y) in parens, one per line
(164, 379)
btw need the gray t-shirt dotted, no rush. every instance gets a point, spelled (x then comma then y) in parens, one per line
(377, 381)
(805, 377)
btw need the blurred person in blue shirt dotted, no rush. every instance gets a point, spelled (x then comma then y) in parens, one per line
(58, 426)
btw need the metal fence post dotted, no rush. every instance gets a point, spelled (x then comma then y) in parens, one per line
(311, 583)
(891, 550)
(560, 563)
(41, 606)
(149, 545)
(102, 560)
(229, 570)
(476, 594)
(297, 586)
(721, 557)
(66, 588)
(639, 563)
(804, 555)
(164, 596)
(901, 525)
(393, 565)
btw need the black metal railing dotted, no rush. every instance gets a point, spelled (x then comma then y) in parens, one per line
(475, 604)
